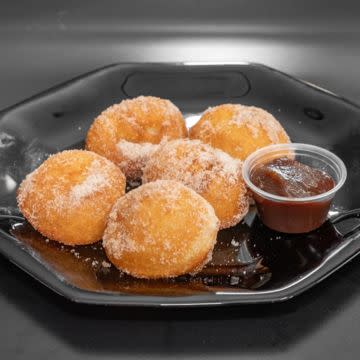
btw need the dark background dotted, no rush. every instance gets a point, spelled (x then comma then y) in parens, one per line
(43, 43)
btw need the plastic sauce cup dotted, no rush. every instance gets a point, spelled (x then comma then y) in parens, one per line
(289, 214)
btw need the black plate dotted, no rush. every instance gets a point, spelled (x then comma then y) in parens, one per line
(251, 263)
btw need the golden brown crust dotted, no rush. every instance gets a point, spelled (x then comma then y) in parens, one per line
(210, 172)
(161, 229)
(238, 130)
(144, 120)
(69, 197)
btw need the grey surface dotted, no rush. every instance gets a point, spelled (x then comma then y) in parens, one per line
(45, 43)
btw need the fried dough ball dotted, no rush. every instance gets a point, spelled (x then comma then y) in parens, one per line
(210, 172)
(238, 130)
(69, 197)
(161, 229)
(125, 133)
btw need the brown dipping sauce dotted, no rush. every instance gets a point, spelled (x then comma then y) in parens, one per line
(292, 179)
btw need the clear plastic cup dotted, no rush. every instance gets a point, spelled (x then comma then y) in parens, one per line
(295, 214)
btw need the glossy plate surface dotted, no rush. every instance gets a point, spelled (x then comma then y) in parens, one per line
(251, 263)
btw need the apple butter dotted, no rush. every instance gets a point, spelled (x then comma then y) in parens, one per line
(291, 179)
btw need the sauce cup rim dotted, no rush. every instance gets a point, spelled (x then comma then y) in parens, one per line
(314, 150)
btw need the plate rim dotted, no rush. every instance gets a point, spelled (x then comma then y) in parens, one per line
(59, 85)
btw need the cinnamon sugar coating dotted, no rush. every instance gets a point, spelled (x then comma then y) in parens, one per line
(124, 132)
(238, 130)
(69, 196)
(210, 172)
(161, 229)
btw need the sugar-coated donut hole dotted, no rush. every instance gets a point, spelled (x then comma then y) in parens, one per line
(151, 232)
(210, 172)
(124, 132)
(238, 130)
(69, 197)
